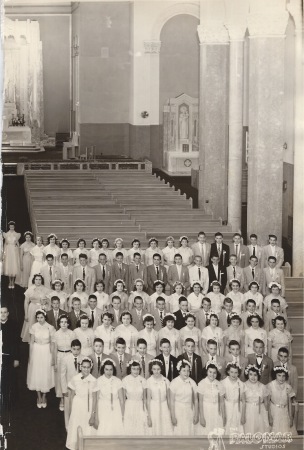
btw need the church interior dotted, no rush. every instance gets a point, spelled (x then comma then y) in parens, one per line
(149, 118)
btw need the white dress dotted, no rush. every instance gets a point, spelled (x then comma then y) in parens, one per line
(256, 414)
(215, 334)
(81, 409)
(37, 253)
(173, 336)
(160, 414)
(76, 254)
(195, 301)
(153, 298)
(194, 333)
(174, 302)
(11, 257)
(211, 392)
(184, 392)
(151, 339)
(130, 335)
(169, 254)
(258, 298)
(52, 250)
(278, 396)
(107, 335)
(187, 255)
(143, 295)
(135, 420)
(94, 255)
(40, 372)
(103, 300)
(238, 300)
(109, 410)
(149, 255)
(62, 297)
(216, 301)
(250, 335)
(63, 341)
(268, 298)
(83, 296)
(86, 338)
(233, 395)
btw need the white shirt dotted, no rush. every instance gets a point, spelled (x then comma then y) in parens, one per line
(179, 270)
(216, 270)
(166, 359)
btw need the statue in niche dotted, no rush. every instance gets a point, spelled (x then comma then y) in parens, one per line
(183, 123)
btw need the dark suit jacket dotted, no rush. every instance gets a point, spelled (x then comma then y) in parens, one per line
(266, 366)
(151, 276)
(107, 279)
(73, 319)
(172, 365)
(224, 258)
(197, 367)
(10, 340)
(134, 275)
(222, 277)
(243, 255)
(117, 274)
(180, 320)
(50, 318)
(121, 373)
(136, 321)
(94, 370)
(148, 358)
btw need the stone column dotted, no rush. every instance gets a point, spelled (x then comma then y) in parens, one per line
(295, 10)
(266, 118)
(236, 69)
(213, 118)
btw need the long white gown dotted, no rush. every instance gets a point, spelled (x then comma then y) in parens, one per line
(37, 253)
(256, 414)
(211, 392)
(233, 394)
(160, 414)
(135, 420)
(109, 410)
(184, 392)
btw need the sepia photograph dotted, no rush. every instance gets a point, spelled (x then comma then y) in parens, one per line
(152, 221)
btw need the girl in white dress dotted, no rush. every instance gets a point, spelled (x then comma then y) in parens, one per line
(85, 335)
(256, 402)
(94, 252)
(64, 245)
(212, 331)
(280, 411)
(139, 291)
(25, 259)
(234, 400)
(61, 349)
(135, 393)
(158, 401)
(279, 337)
(103, 299)
(82, 389)
(151, 250)
(40, 372)
(52, 248)
(57, 287)
(190, 331)
(105, 331)
(255, 295)
(79, 292)
(128, 332)
(217, 299)
(105, 244)
(183, 401)
(234, 332)
(135, 249)
(37, 254)
(236, 296)
(185, 251)
(119, 289)
(149, 334)
(81, 248)
(11, 257)
(195, 299)
(169, 252)
(172, 334)
(110, 403)
(255, 331)
(211, 401)
(174, 298)
(118, 244)
(275, 292)
(159, 288)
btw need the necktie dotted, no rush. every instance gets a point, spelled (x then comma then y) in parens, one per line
(219, 250)
(77, 315)
(212, 358)
(252, 271)
(157, 272)
(161, 318)
(119, 265)
(75, 363)
(120, 363)
(190, 360)
(143, 366)
(234, 272)
(56, 318)
(83, 273)
(103, 272)
(199, 273)
(137, 269)
(253, 251)
(92, 318)
(98, 364)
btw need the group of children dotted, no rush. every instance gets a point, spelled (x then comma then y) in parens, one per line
(161, 342)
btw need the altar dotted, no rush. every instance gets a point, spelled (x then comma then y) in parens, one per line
(180, 149)
(14, 135)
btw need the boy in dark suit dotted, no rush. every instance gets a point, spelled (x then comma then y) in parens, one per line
(195, 360)
(263, 362)
(53, 315)
(97, 357)
(217, 272)
(75, 313)
(121, 358)
(168, 369)
(218, 248)
(181, 314)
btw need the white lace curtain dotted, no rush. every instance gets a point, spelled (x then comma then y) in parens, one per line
(23, 77)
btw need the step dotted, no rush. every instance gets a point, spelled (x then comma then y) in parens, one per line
(297, 343)
(195, 213)
(295, 309)
(68, 221)
(300, 393)
(294, 282)
(296, 323)
(297, 360)
(83, 194)
(75, 201)
(119, 215)
(57, 229)
(294, 294)
(300, 427)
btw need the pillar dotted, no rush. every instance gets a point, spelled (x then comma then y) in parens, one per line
(213, 113)
(295, 10)
(266, 118)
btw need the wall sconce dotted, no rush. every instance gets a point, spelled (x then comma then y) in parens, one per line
(144, 114)
(285, 146)
(284, 186)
